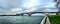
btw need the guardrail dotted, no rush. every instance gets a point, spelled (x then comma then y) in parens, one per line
(44, 20)
(48, 21)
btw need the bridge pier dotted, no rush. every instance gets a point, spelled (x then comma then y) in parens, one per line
(57, 13)
(21, 14)
(29, 14)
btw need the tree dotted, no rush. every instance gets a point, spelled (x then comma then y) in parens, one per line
(58, 6)
(55, 0)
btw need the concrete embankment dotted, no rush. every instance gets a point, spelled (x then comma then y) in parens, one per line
(48, 21)
(45, 20)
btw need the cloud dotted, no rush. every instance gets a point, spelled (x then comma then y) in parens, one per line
(11, 11)
(29, 10)
(30, 3)
(50, 10)
(25, 6)
(16, 9)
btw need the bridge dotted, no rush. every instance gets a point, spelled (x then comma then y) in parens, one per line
(30, 13)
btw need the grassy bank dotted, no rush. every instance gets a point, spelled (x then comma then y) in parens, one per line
(54, 19)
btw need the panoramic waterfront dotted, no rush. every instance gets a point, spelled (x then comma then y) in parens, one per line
(29, 11)
(21, 19)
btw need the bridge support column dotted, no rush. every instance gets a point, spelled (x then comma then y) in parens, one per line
(57, 13)
(21, 14)
(29, 14)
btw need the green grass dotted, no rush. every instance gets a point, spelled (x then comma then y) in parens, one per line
(54, 19)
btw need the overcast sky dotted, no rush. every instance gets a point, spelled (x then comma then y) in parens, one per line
(20, 6)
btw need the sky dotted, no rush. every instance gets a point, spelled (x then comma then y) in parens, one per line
(24, 6)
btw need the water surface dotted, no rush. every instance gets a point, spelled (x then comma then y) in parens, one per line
(21, 19)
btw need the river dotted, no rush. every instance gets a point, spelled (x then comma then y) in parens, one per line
(21, 19)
